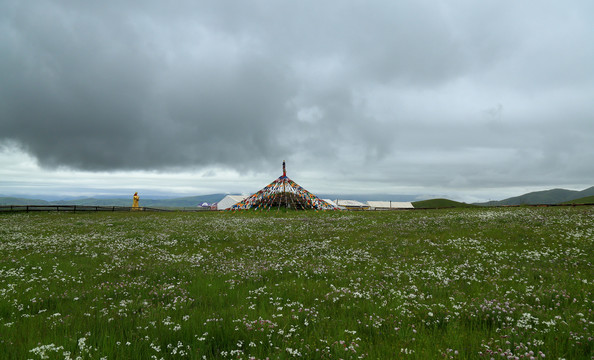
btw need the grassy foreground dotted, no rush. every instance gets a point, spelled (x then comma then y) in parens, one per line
(458, 284)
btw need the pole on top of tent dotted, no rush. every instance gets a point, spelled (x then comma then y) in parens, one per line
(284, 183)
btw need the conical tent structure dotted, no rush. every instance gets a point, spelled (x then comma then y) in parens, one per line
(283, 193)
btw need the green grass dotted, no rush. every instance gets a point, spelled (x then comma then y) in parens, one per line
(584, 200)
(440, 203)
(458, 283)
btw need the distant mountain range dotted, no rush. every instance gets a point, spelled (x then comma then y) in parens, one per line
(554, 196)
(550, 197)
(191, 201)
(185, 202)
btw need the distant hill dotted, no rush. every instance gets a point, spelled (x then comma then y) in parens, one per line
(21, 201)
(440, 203)
(191, 201)
(93, 202)
(554, 196)
(584, 200)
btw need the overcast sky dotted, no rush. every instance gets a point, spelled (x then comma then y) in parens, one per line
(476, 100)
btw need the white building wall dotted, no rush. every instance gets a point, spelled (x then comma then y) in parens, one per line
(390, 205)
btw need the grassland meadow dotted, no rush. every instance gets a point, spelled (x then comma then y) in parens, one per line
(487, 283)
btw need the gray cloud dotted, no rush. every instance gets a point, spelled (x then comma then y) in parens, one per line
(464, 94)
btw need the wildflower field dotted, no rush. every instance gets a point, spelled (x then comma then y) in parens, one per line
(504, 283)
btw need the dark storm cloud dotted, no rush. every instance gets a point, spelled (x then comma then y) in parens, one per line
(107, 90)
(461, 92)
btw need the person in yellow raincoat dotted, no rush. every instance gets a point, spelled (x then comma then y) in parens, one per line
(135, 201)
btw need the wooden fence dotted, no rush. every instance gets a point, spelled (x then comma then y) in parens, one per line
(71, 208)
